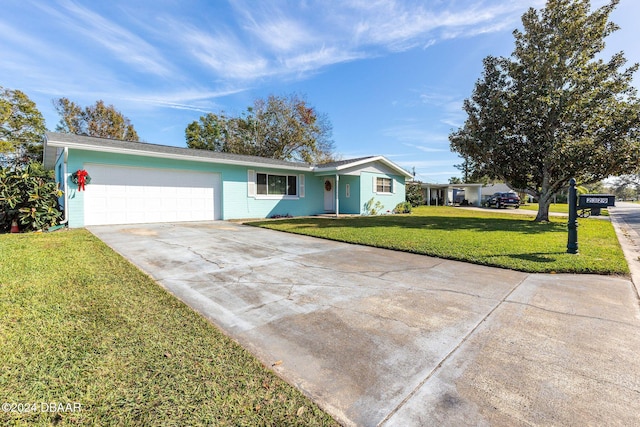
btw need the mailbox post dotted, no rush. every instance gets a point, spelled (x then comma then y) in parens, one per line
(572, 242)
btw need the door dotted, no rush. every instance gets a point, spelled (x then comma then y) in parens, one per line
(329, 195)
(129, 195)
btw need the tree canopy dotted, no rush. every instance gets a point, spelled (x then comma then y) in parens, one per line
(279, 127)
(22, 128)
(554, 109)
(98, 120)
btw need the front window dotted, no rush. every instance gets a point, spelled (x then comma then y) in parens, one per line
(276, 185)
(383, 185)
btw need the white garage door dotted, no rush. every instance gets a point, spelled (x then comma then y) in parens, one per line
(128, 195)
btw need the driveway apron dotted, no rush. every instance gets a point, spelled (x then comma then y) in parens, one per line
(379, 337)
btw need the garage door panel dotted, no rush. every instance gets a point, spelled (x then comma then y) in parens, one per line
(128, 195)
(153, 204)
(135, 190)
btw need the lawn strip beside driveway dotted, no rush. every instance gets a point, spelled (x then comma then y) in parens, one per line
(379, 337)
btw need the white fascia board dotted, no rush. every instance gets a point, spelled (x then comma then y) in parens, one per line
(384, 160)
(333, 169)
(395, 167)
(176, 156)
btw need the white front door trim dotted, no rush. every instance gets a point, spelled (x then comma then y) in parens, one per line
(329, 185)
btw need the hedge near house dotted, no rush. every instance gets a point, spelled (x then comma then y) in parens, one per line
(28, 196)
(413, 194)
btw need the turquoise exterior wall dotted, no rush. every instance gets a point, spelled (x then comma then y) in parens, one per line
(235, 201)
(389, 201)
(237, 204)
(351, 204)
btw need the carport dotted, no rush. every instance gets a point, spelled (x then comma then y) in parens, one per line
(445, 194)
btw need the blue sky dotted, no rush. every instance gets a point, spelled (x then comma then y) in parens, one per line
(391, 75)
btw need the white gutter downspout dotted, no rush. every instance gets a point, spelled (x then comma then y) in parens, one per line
(337, 195)
(66, 190)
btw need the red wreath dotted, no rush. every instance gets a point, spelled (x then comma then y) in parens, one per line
(82, 178)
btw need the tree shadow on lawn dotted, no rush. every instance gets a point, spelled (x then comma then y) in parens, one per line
(537, 257)
(447, 223)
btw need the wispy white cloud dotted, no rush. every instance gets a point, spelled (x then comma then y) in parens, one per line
(415, 133)
(450, 107)
(274, 29)
(428, 149)
(300, 38)
(398, 26)
(319, 58)
(191, 100)
(422, 164)
(122, 43)
(224, 54)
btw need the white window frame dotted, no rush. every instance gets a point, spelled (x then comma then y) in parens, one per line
(375, 185)
(299, 187)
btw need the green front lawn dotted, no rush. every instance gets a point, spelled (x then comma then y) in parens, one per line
(553, 207)
(80, 325)
(497, 238)
(556, 207)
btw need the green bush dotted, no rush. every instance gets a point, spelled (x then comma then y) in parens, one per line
(373, 207)
(414, 194)
(404, 207)
(30, 196)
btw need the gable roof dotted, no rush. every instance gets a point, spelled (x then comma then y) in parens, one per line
(346, 164)
(339, 163)
(54, 140)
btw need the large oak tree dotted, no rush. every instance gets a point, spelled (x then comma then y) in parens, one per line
(98, 120)
(22, 128)
(554, 109)
(279, 127)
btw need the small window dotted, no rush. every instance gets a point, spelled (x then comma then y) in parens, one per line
(383, 185)
(276, 185)
(347, 191)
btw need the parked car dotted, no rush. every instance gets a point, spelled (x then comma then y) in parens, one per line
(502, 200)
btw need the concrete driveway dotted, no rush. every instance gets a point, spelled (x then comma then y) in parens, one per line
(378, 337)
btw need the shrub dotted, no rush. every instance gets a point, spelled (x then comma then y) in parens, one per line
(30, 196)
(414, 194)
(403, 208)
(373, 207)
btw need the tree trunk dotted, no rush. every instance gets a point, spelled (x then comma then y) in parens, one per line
(543, 207)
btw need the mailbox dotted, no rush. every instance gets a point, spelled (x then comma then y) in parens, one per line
(595, 202)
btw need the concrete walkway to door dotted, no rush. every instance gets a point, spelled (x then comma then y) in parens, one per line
(378, 337)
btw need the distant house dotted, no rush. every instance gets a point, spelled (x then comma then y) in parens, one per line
(460, 194)
(133, 182)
